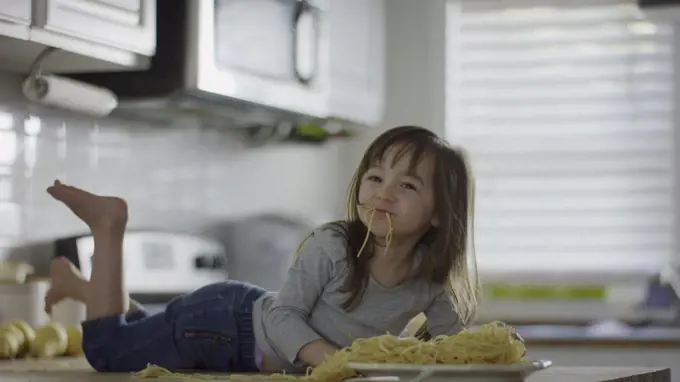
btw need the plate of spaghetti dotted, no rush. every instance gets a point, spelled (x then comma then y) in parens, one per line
(493, 352)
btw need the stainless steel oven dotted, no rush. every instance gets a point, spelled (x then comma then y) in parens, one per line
(158, 266)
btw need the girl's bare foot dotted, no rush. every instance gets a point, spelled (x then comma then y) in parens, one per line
(67, 282)
(106, 216)
(100, 213)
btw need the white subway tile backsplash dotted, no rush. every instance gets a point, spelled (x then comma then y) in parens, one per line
(173, 177)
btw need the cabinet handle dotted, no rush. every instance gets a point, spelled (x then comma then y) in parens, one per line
(305, 41)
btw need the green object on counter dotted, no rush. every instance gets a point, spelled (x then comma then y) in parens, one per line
(545, 292)
(311, 130)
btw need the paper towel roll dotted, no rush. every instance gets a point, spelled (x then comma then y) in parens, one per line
(69, 94)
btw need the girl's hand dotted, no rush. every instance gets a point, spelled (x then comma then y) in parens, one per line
(315, 352)
(519, 338)
(516, 335)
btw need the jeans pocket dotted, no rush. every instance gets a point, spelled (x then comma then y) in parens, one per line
(209, 349)
(220, 338)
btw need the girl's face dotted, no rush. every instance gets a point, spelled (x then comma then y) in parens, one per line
(403, 191)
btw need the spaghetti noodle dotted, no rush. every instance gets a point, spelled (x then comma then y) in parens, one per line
(154, 371)
(388, 236)
(493, 343)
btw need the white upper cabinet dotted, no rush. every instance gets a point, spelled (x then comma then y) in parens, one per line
(129, 25)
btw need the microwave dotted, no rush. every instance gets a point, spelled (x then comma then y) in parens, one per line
(253, 62)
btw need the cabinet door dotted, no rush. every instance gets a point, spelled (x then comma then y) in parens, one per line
(15, 18)
(124, 24)
(15, 11)
(358, 60)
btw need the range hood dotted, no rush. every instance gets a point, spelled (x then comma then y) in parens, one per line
(235, 63)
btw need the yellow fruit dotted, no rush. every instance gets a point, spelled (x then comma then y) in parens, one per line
(75, 341)
(28, 336)
(51, 340)
(10, 342)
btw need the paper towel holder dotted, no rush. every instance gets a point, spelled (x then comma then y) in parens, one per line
(66, 93)
(36, 71)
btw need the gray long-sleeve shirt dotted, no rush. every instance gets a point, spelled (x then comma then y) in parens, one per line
(309, 305)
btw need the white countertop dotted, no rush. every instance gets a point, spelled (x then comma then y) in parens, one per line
(603, 333)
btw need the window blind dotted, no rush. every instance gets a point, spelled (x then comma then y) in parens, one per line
(566, 109)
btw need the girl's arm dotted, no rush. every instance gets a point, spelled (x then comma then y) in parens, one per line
(286, 321)
(442, 317)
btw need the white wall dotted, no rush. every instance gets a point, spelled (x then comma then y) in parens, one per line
(416, 55)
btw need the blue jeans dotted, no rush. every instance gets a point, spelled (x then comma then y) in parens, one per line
(210, 328)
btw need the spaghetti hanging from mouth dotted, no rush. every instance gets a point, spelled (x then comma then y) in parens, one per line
(390, 229)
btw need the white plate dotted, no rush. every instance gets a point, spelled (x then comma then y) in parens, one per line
(431, 373)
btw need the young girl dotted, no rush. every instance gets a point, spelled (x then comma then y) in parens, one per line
(401, 251)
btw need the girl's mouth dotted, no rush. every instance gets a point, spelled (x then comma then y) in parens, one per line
(382, 215)
(376, 213)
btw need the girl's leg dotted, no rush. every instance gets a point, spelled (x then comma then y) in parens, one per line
(107, 219)
(209, 328)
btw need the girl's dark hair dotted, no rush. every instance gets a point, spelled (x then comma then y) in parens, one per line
(446, 259)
